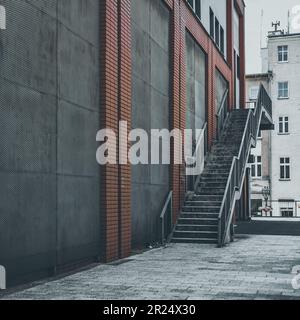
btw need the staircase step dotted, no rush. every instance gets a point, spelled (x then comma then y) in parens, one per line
(210, 191)
(214, 175)
(203, 203)
(195, 234)
(200, 209)
(197, 215)
(197, 228)
(194, 240)
(211, 197)
(198, 221)
(212, 184)
(213, 180)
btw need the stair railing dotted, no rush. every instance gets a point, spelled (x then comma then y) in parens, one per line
(222, 113)
(166, 218)
(195, 164)
(239, 163)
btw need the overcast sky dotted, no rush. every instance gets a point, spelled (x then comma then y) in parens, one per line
(272, 10)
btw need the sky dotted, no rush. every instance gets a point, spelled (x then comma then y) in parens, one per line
(256, 21)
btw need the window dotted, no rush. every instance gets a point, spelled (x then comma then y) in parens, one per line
(283, 54)
(283, 125)
(222, 39)
(285, 169)
(256, 166)
(196, 6)
(283, 90)
(212, 23)
(217, 32)
(253, 93)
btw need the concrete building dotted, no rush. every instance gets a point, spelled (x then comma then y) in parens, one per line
(283, 52)
(70, 68)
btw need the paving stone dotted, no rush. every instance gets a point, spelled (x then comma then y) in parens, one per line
(258, 267)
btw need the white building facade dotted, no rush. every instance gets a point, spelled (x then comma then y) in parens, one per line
(284, 63)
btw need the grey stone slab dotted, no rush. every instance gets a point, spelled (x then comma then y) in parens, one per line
(22, 60)
(78, 216)
(27, 129)
(47, 6)
(140, 12)
(78, 70)
(79, 16)
(141, 58)
(159, 68)
(159, 26)
(141, 104)
(77, 129)
(27, 211)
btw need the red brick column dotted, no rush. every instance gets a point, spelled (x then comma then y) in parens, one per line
(230, 53)
(175, 100)
(108, 119)
(125, 115)
(243, 62)
(115, 105)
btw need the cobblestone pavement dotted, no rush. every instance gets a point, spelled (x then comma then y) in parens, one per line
(254, 267)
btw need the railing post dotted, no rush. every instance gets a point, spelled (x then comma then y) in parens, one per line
(163, 231)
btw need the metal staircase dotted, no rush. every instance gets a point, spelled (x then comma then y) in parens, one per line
(207, 214)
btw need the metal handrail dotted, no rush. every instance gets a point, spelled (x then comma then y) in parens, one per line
(222, 113)
(237, 170)
(163, 214)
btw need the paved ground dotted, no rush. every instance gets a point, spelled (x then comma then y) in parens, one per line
(254, 267)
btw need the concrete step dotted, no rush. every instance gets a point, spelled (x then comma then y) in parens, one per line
(211, 184)
(210, 191)
(213, 179)
(194, 240)
(215, 175)
(200, 209)
(198, 221)
(195, 234)
(203, 203)
(211, 197)
(198, 215)
(218, 166)
(197, 228)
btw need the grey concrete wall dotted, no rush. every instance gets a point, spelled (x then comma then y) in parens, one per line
(150, 109)
(49, 116)
(196, 84)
